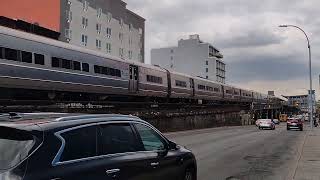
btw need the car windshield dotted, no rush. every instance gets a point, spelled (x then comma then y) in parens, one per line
(15, 145)
(265, 120)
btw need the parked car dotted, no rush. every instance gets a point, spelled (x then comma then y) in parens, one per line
(67, 146)
(266, 124)
(276, 121)
(294, 123)
(257, 122)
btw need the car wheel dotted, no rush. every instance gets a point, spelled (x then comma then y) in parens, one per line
(288, 128)
(301, 129)
(189, 175)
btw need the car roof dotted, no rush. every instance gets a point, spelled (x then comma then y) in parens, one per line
(48, 121)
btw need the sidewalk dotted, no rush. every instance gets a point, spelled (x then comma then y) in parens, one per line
(308, 167)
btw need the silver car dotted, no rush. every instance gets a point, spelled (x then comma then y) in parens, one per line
(266, 124)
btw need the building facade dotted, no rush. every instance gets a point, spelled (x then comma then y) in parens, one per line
(302, 101)
(193, 57)
(101, 25)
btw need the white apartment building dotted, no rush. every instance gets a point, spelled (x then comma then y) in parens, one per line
(103, 25)
(193, 57)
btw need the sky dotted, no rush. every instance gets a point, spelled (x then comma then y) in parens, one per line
(258, 54)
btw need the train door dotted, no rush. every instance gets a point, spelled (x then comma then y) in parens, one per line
(133, 78)
(192, 86)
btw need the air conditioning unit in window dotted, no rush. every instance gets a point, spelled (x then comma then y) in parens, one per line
(69, 2)
(68, 39)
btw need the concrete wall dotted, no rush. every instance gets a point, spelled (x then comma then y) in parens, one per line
(189, 122)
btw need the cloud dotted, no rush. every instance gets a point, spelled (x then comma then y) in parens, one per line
(252, 38)
(255, 49)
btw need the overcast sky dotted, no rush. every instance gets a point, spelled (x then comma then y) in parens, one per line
(258, 55)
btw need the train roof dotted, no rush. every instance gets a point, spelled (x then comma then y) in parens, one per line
(53, 42)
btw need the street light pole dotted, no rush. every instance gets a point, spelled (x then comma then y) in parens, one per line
(310, 75)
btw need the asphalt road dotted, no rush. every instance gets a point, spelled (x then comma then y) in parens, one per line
(244, 153)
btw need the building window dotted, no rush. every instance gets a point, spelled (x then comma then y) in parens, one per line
(140, 31)
(69, 16)
(99, 12)
(154, 79)
(84, 22)
(121, 37)
(207, 70)
(98, 44)
(68, 33)
(84, 40)
(130, 27)
(171, 51)
(85, 5)
(207, 62)
(130, 54)
(207, 77)
(171, 58)
(130, 41)
(121, 23)
(108, 47)
(109, 17)
(140, 57)
(121, 52)
(98, 28)
(108, 30)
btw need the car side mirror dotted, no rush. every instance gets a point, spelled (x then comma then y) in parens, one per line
(173, 146)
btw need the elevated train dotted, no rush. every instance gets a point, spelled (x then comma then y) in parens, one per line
(32, 63)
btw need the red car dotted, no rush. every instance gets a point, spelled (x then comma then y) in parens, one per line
(294, 123)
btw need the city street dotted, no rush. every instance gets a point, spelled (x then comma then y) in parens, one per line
(244, 153)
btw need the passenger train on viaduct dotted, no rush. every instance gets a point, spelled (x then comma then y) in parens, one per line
(34, 67)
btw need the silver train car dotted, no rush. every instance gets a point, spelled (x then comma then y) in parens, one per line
(31, 62)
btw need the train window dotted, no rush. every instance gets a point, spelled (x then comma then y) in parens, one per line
(202, 87)
(97, 69)
(85, 67)
(39, 59)
(181, 83)
(209, 88)
(11, 54)
(1, 52)
(154, 79)
(216, 90)
(228, 91)
(107, 71)
(76, 66)
(26, 57)
(55, 62)
(66, 64)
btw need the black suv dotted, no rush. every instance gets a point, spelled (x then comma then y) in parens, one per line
(56, 146)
